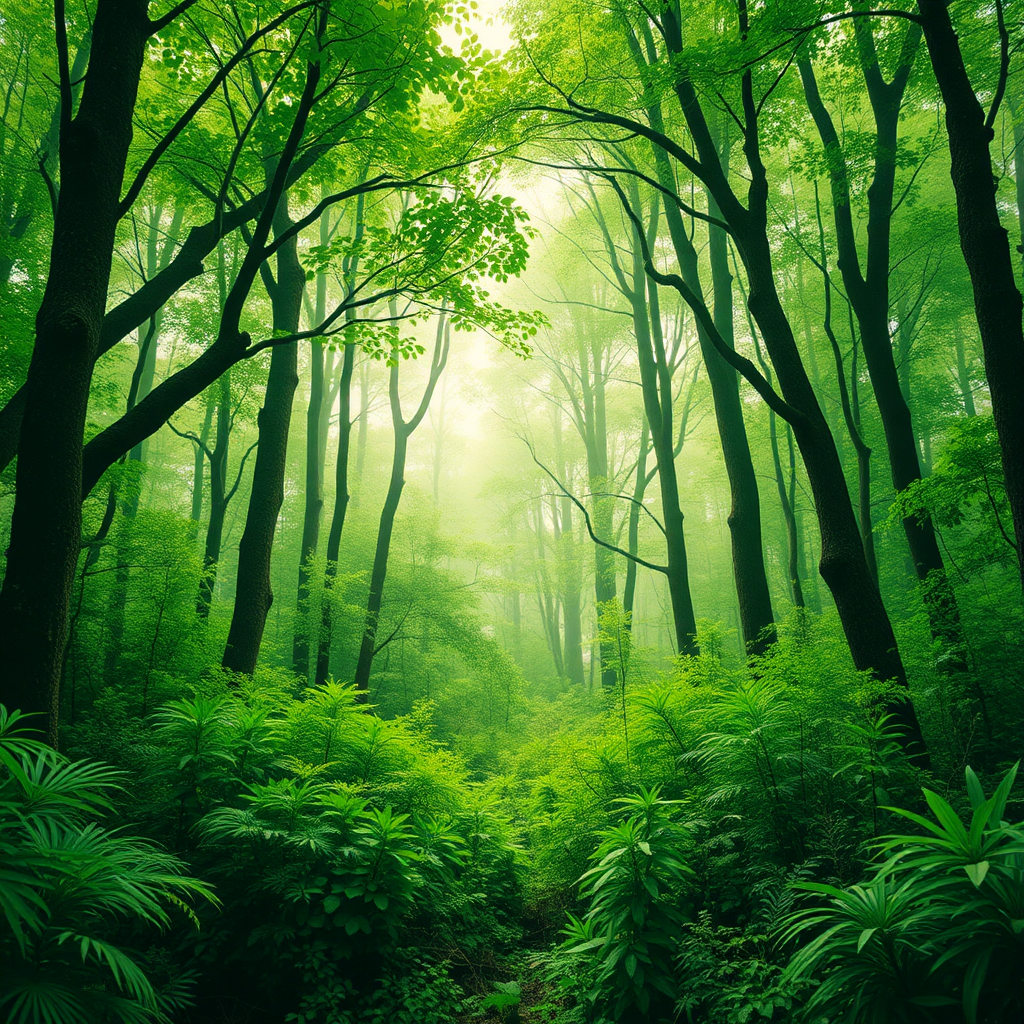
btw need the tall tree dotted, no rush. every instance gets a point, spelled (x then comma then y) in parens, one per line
(843, 564)
(46, 523)
(867, 287)
(403, 430)
(983, 239)
(253, 594)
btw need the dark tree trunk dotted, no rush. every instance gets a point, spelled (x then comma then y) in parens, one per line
(787, 498)
(368, 645)
(199, 468)
(317, 422)
(253, 594)
(843, 565)
(869, 297)
(749, 574)
(755, 603)
(656, 387)
(46, 522)
(986, 247)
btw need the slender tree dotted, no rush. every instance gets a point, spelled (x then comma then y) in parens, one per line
(403, 430)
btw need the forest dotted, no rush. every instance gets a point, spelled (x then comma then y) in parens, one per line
(511, 511)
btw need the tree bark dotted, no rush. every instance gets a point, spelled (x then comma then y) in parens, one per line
(868, 292)
(218, 497)
(312, 509)
(656, 387)
(639, 489)
(46, 522)
(986, 247)
(341, 500)
(317, 419)
(253, 593)
(843, 564)
(570, 571)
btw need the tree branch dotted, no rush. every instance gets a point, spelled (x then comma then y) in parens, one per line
(586, 516)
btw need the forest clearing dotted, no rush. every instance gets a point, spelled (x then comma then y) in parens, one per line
(511, 511)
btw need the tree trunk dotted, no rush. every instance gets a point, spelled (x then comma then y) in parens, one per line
(602, 503)
(46, 522)
(199, 468)
(547, 603)
(656, 387)
(341, 498)
(869, 298)
(843, 565)
(749, 575)
(755, 603)
(570, 571)
(218, 497)
(403, 431)
(986, 247)
(367, 648)
(313, 508)
(639, 489)
(253, 595)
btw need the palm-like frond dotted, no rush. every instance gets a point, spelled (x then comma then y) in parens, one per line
(66, 886)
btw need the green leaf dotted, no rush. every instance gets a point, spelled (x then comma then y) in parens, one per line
(974, 790)
(977, 872)
(865, 937)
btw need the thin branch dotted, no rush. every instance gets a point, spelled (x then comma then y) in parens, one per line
(61, 38)
(188, 435)
(176, 11)
(674, 196)
(241, 467)
(214, 84)
(586, 516)
(628, 497)
(1004, 64)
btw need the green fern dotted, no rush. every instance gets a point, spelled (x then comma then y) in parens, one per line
(67, 886)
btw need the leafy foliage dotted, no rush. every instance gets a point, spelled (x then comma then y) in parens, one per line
(74, 893)
(941, 923)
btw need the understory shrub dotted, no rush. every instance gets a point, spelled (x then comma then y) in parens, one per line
(81, 901)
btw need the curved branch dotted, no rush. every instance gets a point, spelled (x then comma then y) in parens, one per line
(241, 467)
(1004, 64)
(188, 435)
(586, 516)
(628, 497)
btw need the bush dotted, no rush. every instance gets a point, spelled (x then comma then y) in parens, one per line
(937, 935)
(73, 892)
